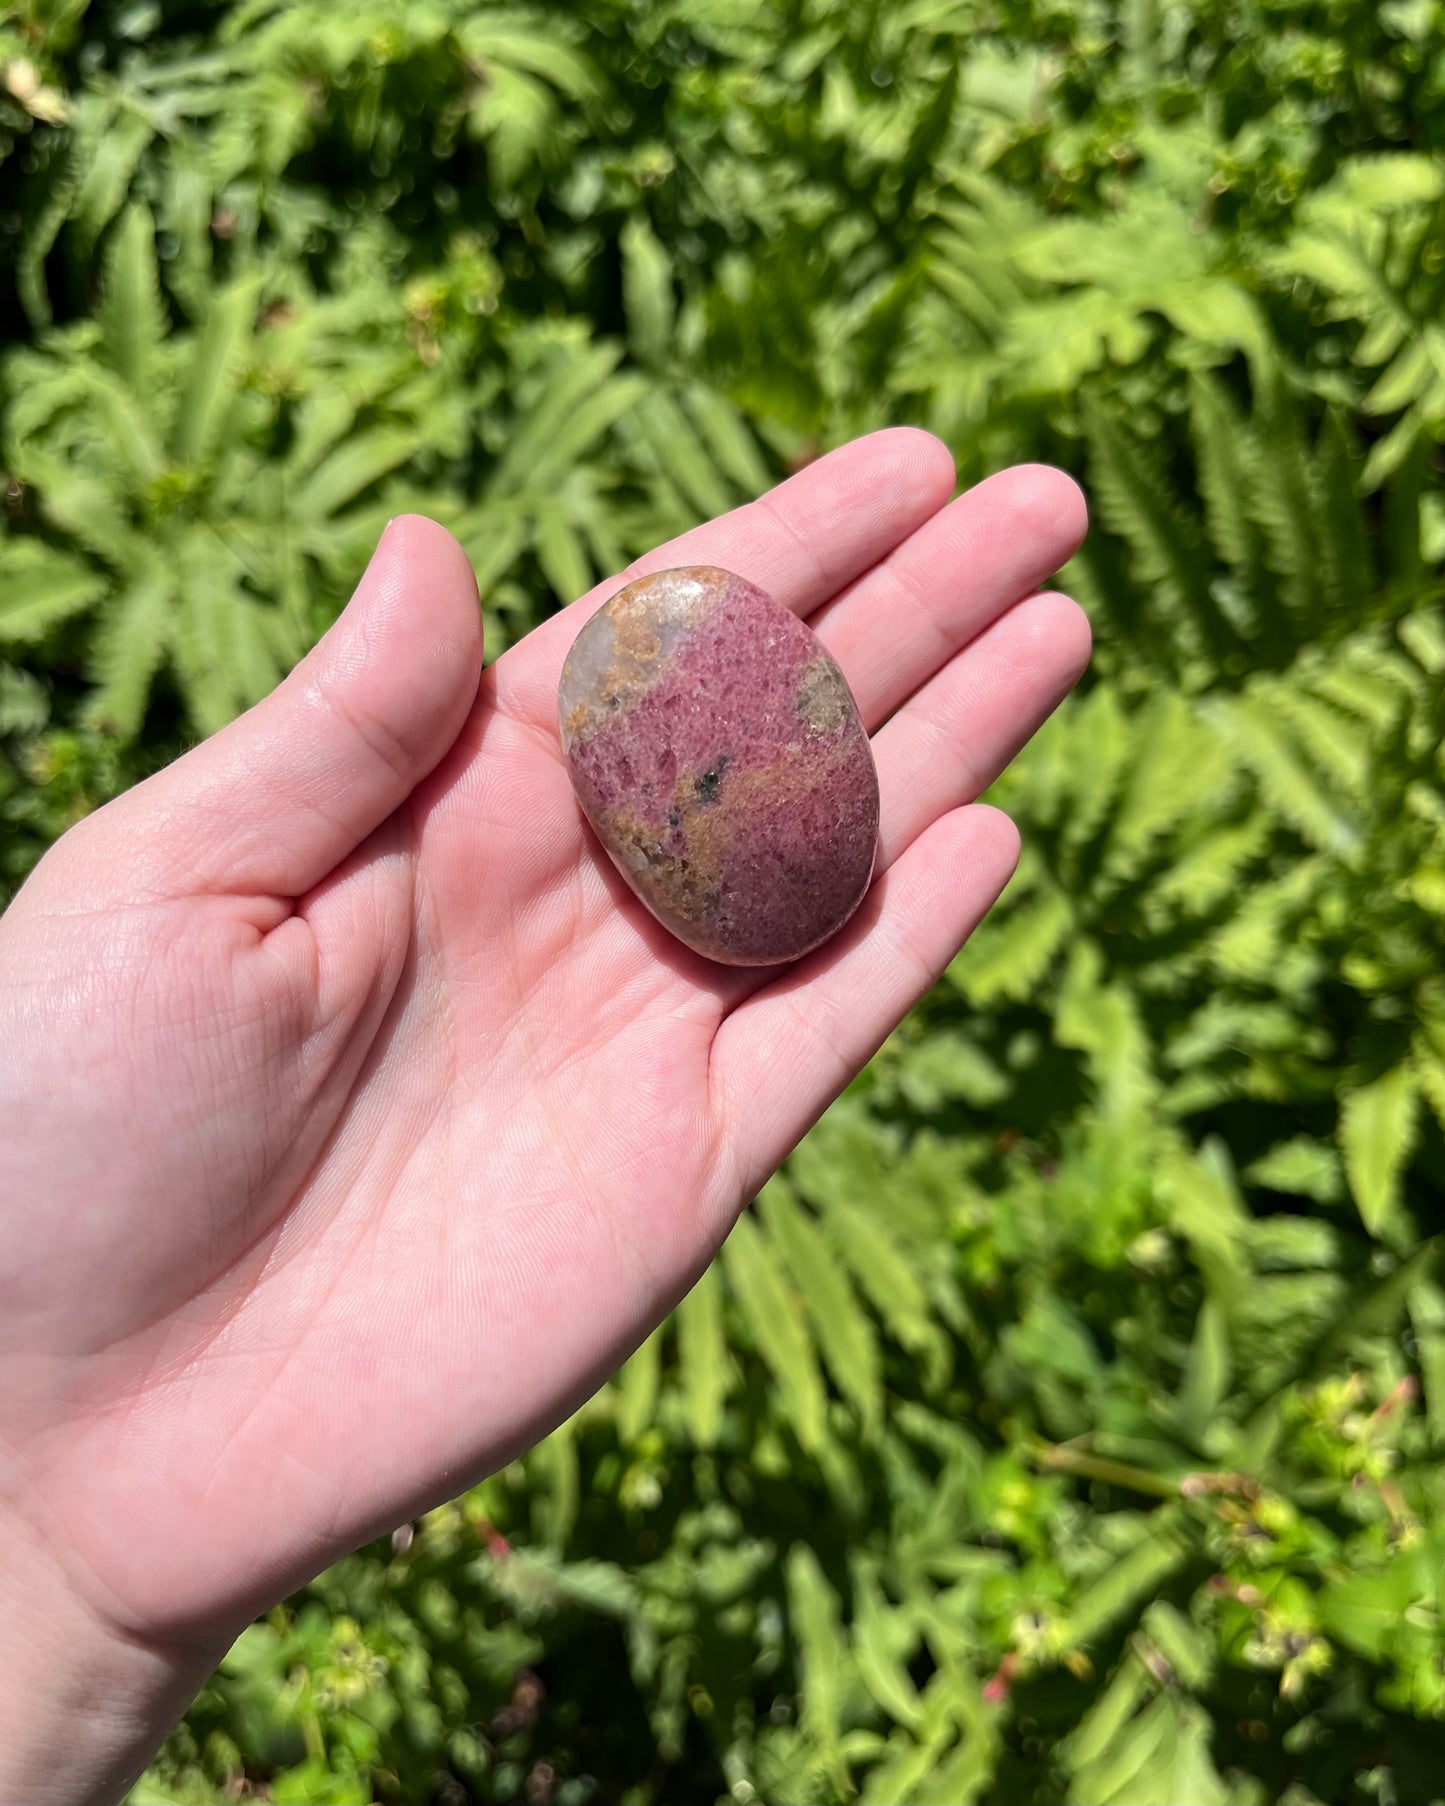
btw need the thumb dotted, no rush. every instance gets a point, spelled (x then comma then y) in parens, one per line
(279, 797)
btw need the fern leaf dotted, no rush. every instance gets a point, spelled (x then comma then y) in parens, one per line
(113, 146)
(221, 647)
(1099, 1730)
(1134, 502)
(579, 406)
(509, 38)
(557, 1491)
(1427, 1318)
(730, 445)
(702, 1352)
(776, 1328)
(493, 538)
(126, 419)
(1206, 1209)
(211, 383)
(881, 1640)
(24, 702)
(1179, 765)
(1285, 506)
(40, 587)
(606, 535)
(1428, 1053)
(351, 469)
(1325, 735)
(1205, 872)
(844, 1334)
(884, 1275)
(41, 234)
(1100, 1017)
(1135, 1576)
(1382, 182)
(514, 115)
(1407, 379)
(1344, 548)
(637, 1386)
(561, 552)
(1377, 1132)
(132, 321)
(1216, 310)
(679, 452)
(92, 513)
(1092, 756)
(1224, 450)
(1206, 1374)
(1288, 781)
(575, 432)
(1012, 954)
(647, 296)
(813, 1608)
(1391, 454)
(1301, 1167)
(128, 650)
(1254, 944)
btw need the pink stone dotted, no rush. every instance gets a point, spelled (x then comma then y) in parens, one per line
(717, 752)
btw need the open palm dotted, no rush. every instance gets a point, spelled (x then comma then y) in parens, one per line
(361, 1121)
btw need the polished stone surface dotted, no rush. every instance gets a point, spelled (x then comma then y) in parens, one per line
(717, 752)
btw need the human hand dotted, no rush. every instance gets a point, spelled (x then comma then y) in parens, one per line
(359, 1121)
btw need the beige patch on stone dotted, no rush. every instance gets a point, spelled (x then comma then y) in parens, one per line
(623, 650)
(824, 702)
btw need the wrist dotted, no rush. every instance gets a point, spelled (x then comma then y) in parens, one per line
(84, 1705)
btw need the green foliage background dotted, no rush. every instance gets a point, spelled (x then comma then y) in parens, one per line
(1067, 1422)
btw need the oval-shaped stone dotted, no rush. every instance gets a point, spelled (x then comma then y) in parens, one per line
(717, 752)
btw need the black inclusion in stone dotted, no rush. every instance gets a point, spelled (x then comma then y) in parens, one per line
(707, 784)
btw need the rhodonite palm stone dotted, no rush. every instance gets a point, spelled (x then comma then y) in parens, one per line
(717, 752)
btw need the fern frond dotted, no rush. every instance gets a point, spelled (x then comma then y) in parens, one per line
(730, 444)
(1009, 957)
(704, 1359)
(1135, 503)
(351, 469)
(775, 1327)
(1344, 547)
(814, 1610)
(40, 587)
(636, 1387)
(678, 451)
(1285, 506)
(129, 647)
(845, 1336)
(132, 320)
(1377, 1131)
(577, 407)
(560, 551)
(110, 144)
(1286, 778)
(647, 293)
(210, 387)
(1227, 456)
(1180, 764)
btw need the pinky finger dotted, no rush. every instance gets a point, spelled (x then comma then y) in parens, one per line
(784, 1054)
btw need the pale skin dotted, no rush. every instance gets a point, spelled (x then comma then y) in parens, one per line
(358, 1121)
